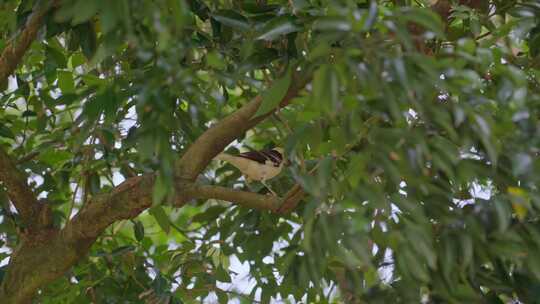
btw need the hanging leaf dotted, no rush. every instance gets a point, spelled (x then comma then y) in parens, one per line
(326, 89)
(87, 39)
(232, 18)
(222, 275)
(66, 82)
(161, 218)
(209, 214)
(138, 230)
(78, 11)
(332, 24)
(6, 132)
(275, 94)
(426, 18)
(277, 27)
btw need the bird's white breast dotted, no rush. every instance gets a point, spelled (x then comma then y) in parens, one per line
(252, 169)
(258, 171)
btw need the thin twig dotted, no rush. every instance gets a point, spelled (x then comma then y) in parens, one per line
(27, 157)
(484, 35)
(73, 199)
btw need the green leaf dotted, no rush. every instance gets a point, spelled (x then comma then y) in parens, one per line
(502, 215)
(160, 190)
(223, 298)
(425, 17)
(6, 132)
(254, 7)
(111, 16)
(138, 230)
(267, 292)
(92, 80)
(94, 182)
(66, 82)
(161, 218)
(87, 39)
(371, 16)
(54, 157)
(332, 24)
(78, 12)
(273, 96)
(222, 275)
(215, 60)
(232, 18)
(77, 59)
(467, 249)
(209, 214)
(521, 164)
(277, 27)
(66, 99)
(56, 56)
(258, 58)
(326, 89)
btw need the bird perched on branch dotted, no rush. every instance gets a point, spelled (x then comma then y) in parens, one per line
(257, 165)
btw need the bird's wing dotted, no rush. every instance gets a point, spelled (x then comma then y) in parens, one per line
(257, 156)
(263, 156)
(274, 156)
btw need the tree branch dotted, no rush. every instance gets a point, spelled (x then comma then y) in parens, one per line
(18, 191)
(242, 198)
(249, 199)
(16, 48)
(292, 198)
(126, 201)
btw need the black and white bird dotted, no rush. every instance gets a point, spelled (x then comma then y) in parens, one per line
(257, 165)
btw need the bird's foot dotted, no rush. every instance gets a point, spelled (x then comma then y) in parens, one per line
(271, 192)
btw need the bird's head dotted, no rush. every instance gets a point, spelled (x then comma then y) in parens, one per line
(280, 150)
(285, 161)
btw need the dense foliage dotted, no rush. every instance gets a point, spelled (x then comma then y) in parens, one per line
(416, 139)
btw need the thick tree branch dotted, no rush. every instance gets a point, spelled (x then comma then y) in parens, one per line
(292, 198)
(16, 48)
(126, 201)
(48, 255)
(18, 191)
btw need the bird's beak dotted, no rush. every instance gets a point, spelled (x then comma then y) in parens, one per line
(288, 163)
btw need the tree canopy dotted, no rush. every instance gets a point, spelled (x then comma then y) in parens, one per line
(412, 128)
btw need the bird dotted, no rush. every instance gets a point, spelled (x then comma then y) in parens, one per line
(257, 165)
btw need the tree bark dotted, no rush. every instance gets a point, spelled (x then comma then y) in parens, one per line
(19, 192)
